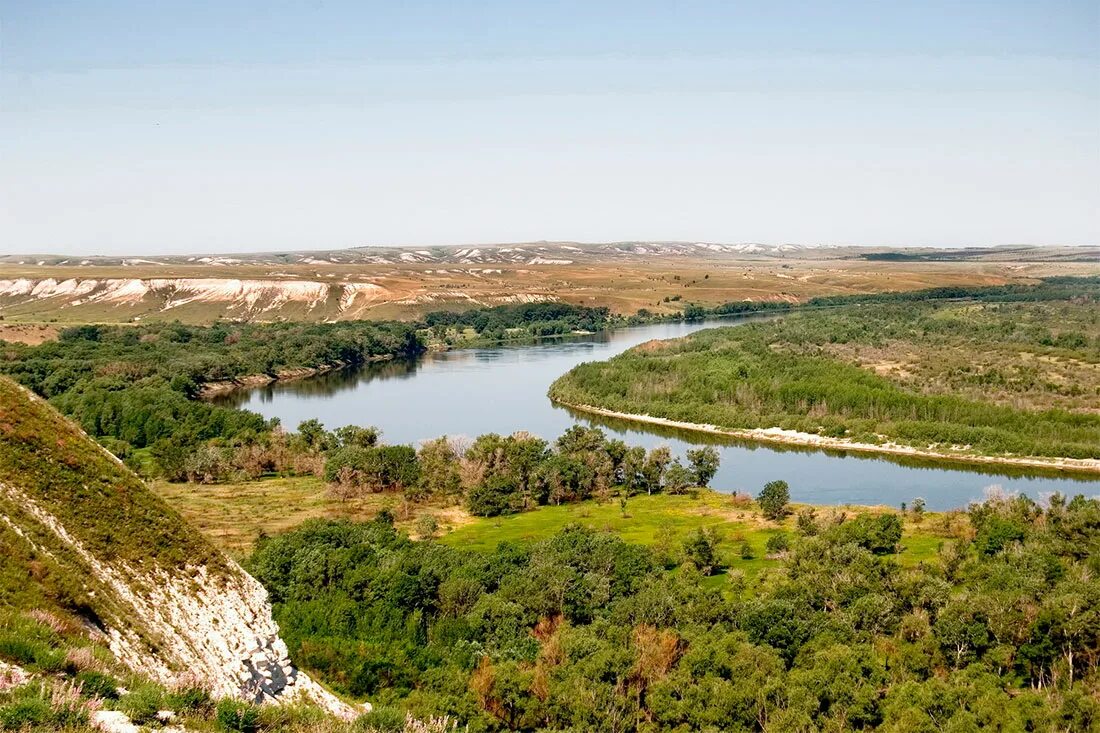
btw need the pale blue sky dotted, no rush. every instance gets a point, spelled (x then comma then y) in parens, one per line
(155, 127)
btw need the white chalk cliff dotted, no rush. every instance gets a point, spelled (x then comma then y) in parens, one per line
(200, 619)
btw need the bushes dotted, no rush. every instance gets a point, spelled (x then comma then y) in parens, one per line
(535, 319)
(97, 684)
(556, 633)
(142, 703)
(373, 469)
(493, 497)
(382, 720)
(797, 374)
(879, 534)
(40, 706)
(235, 716)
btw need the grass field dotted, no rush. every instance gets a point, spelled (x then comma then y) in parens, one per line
(234, 515)
(664, 522)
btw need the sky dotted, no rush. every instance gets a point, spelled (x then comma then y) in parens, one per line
(150, 127)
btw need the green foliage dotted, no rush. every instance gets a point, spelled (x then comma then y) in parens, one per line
(773, 499)
(374, 468)
(189, 700)
(528, 319)
(995, 534)
(778, 543)
(701, 549)
(791, 374)
(582, 631)
(492, 497)
(382, 719)
(678, 478)
(97, 684)
(235, 716)
(142, 703)
(704, 464)
(138, 383)
(878, 534)
(40, 707)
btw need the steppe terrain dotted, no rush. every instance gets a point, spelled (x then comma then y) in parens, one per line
(403, 283)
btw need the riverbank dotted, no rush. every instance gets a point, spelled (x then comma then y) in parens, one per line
(793, 437)
(251, 381)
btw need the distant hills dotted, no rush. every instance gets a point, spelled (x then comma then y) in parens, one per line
(407, 282)
(564, 253)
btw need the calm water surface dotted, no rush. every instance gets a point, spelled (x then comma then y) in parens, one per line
(502, 389)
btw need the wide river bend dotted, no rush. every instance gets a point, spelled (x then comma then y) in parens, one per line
(502, 389)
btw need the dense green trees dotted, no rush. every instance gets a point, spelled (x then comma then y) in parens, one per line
(525, 319)
(139, 384)
(798, 374)
(586, 632)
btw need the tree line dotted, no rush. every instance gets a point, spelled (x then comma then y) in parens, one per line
(525, 320)
(139, 385)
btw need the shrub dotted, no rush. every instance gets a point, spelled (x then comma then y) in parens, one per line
(188, 699)
(700, 549)
(778, 543)
(43, 707)
(24, 712)
(879, 534)
(97, 684)
(995, 534)
(494, 497)
(382, 719)
(237, 716)
(142, 703)
(806, 522)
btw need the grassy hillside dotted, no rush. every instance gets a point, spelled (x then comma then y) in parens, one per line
(95, 564)
(51, 462)
(988, 378)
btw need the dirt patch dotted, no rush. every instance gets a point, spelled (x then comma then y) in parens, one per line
(655, 345)
(27, 333)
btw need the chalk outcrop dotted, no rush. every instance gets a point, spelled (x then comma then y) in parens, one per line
(170, 605)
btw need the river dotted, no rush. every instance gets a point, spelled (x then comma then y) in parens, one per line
(502, 389)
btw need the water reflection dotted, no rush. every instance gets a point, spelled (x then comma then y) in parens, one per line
(626, 427)
(503, 389)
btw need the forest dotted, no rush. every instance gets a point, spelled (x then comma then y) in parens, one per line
(523, 320)
(139, 384)
(994, 378)
(583, 631)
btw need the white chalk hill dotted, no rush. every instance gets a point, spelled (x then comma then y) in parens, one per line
(106, 549)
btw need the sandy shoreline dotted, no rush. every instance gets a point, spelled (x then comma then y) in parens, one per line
(793, 437)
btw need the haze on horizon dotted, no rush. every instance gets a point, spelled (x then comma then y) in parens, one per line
(149, 128)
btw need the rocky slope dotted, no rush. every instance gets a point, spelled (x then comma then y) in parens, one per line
(83, 535)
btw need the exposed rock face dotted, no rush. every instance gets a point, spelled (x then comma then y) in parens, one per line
(198, 618)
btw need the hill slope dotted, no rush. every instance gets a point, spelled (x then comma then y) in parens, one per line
(84, 537)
